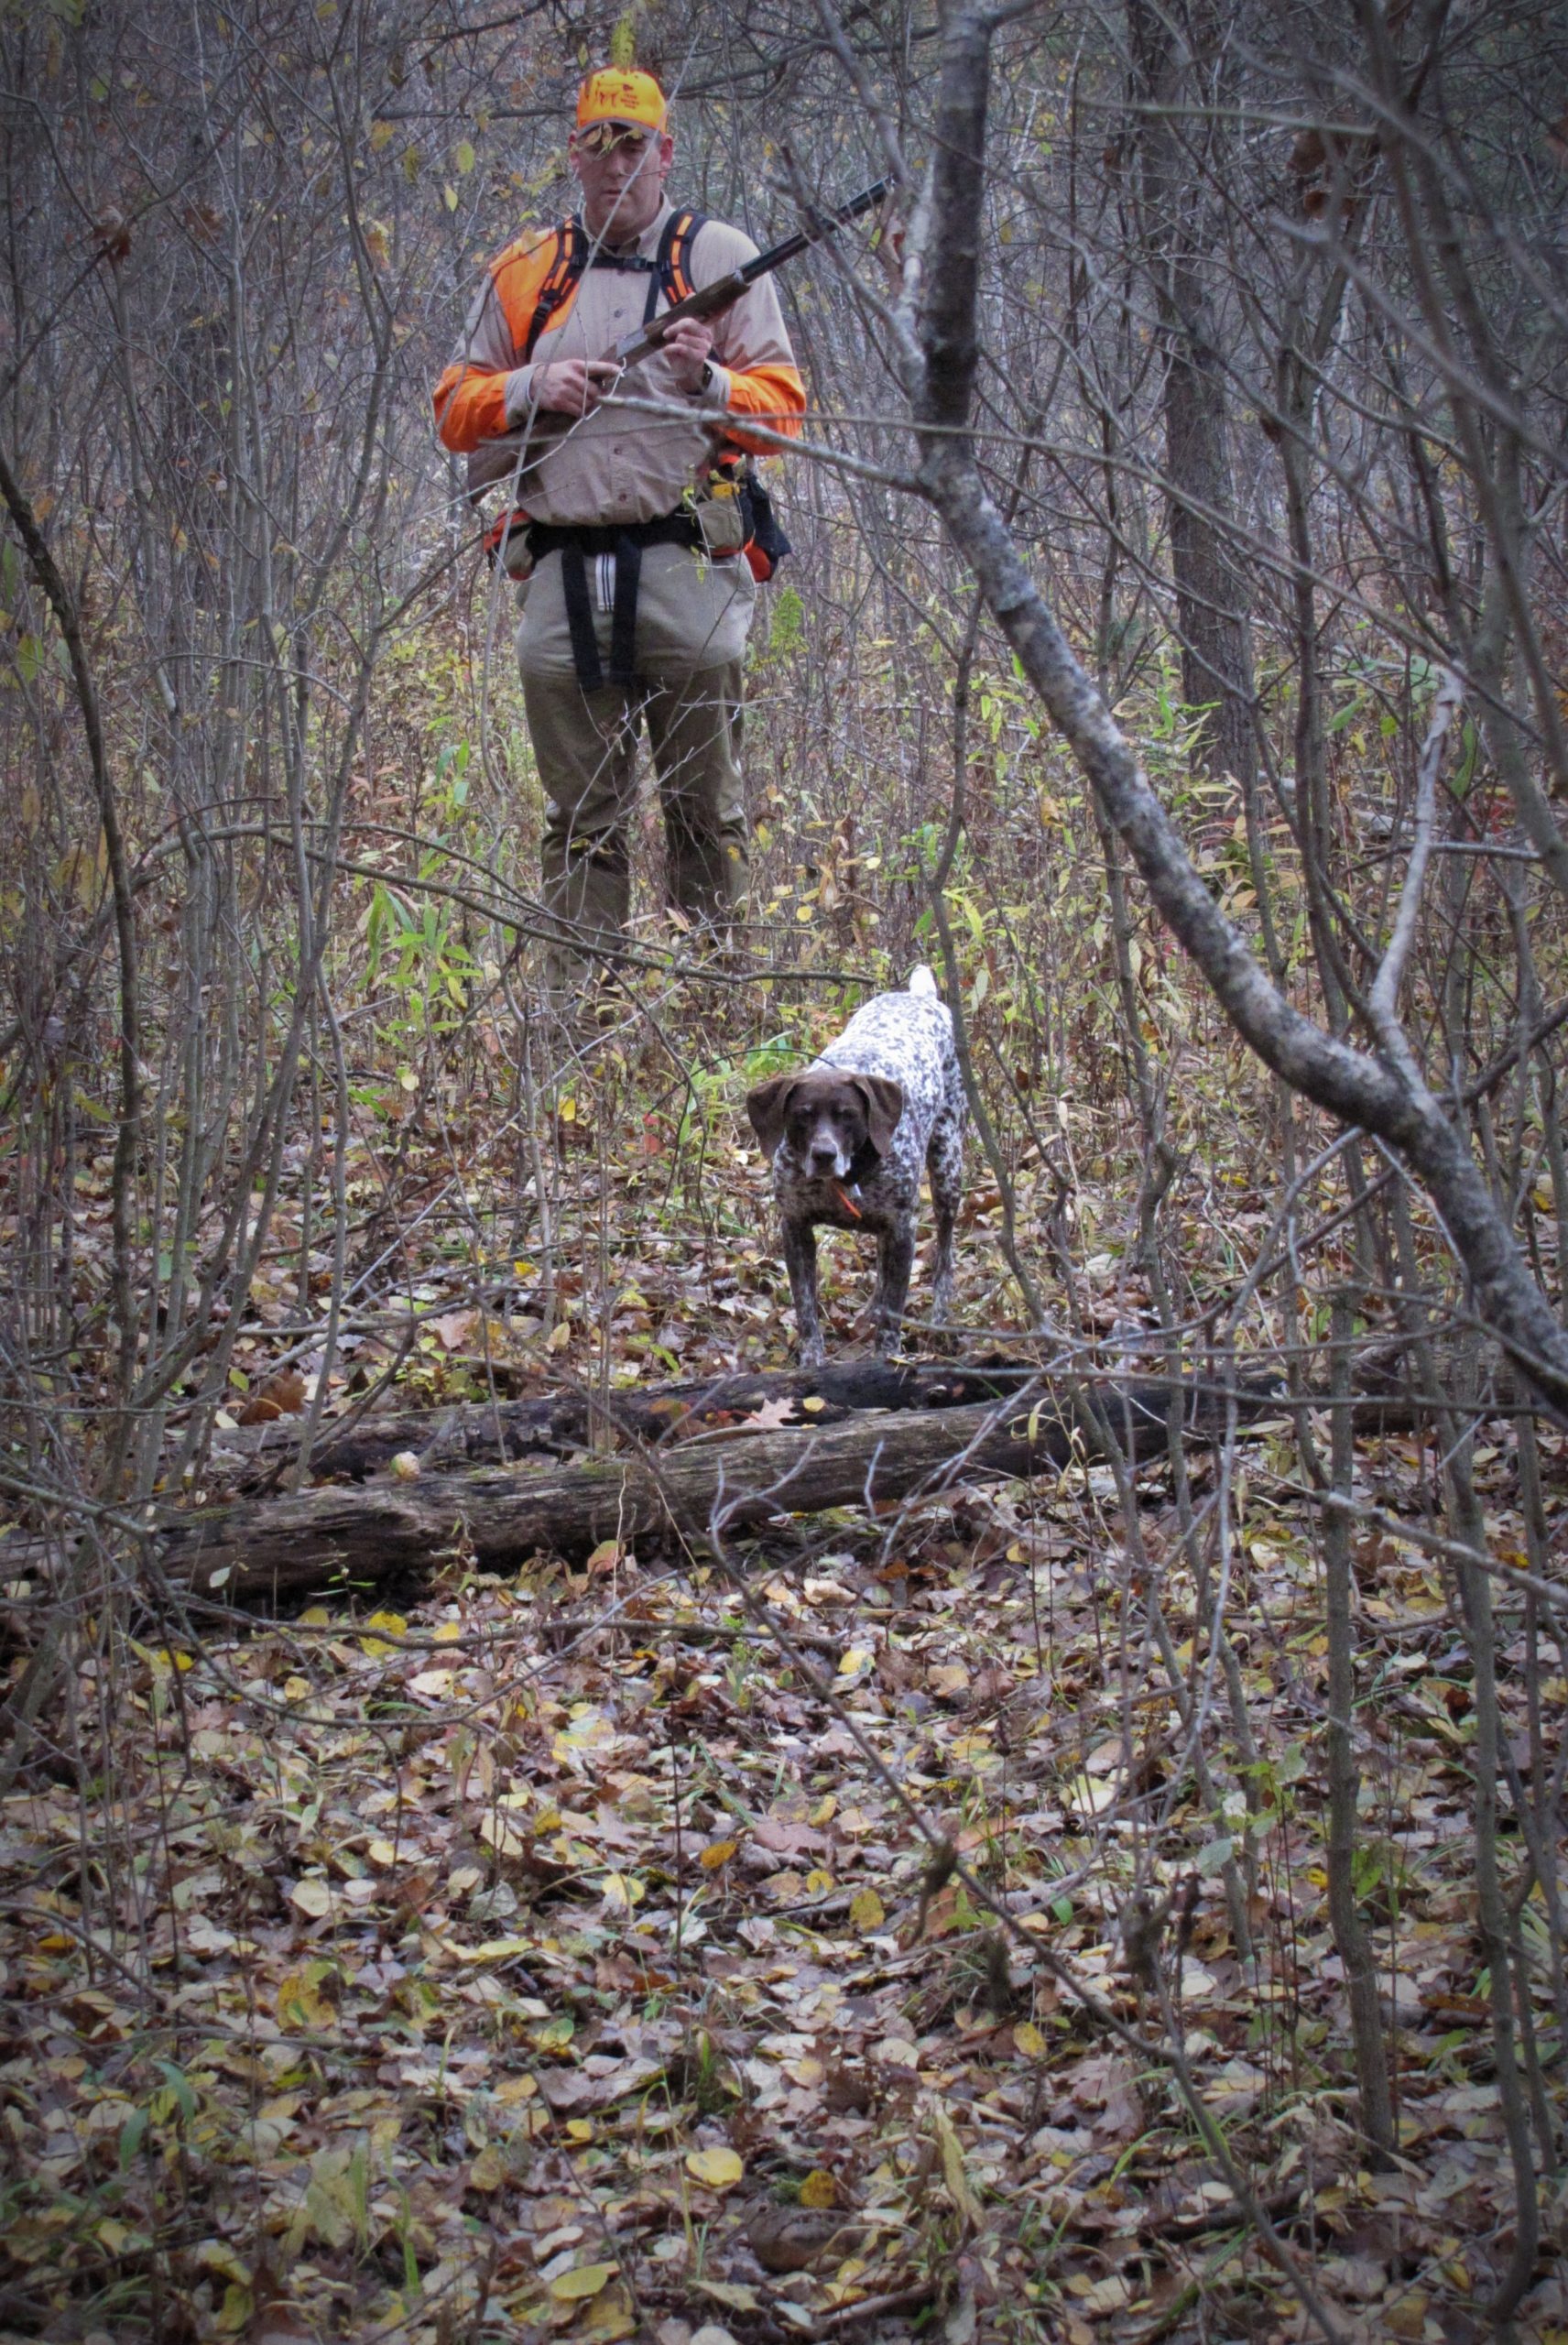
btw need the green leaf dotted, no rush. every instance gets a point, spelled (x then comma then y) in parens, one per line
(133, 2132)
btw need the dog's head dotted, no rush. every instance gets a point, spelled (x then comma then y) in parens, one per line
(832, 1127)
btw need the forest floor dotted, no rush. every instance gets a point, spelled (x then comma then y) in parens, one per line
(561, 1954)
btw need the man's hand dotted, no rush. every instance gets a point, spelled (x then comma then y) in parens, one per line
(573, 386)
(687, 346)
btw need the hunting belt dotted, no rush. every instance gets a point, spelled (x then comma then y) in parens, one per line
(626, 541)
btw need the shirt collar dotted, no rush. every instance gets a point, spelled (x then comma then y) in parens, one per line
(648, 242)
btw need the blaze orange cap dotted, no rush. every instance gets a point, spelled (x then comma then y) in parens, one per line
(617, 94)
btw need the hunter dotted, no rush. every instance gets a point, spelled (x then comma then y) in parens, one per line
(628, 530)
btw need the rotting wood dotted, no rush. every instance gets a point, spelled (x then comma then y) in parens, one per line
(563, 1423)
(734, 1478)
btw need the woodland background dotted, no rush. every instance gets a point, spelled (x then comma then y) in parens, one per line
(1121, 1901)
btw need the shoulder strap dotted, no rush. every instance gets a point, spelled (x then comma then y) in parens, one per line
(674, 262)
(559, 282)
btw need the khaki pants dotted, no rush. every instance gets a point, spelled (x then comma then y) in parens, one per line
(693, 616)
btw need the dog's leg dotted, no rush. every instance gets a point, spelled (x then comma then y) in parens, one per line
(895, 1265)
(944, 1166)
(800, 1261)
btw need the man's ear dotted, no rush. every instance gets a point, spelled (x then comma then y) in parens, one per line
(768, 1106)
(884, 1105)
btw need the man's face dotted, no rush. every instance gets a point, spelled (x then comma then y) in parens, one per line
(622, 168)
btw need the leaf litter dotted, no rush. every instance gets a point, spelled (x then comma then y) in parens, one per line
(566, 1955)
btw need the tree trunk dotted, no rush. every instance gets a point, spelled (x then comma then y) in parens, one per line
(1210, 597)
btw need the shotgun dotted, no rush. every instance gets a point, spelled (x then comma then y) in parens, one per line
(709, 301)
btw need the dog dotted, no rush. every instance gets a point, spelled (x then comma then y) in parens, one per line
(848, 1137)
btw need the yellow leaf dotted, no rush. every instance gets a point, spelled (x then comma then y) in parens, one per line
(295, 1688)
(559, 1336)
(464, 158)
(853, 1661)
(609, 2318)
(380, 134)
(812, 1402)
(311, 1896)
(717, 1853)
(1028, 2041)
(583, 2280)
(315, 1616)
(498, 1833)
(394, 1624)
(488, 2171)
(866, 1910)
(579, 2129)
(449, 196)
(300, 2002)
(622, 1893)
(824, 1811)
(236, 2311)
(818, 1882)
(447, 1632)
(719, 2169)
(735, 2294)
(818, 2188)
(953, 2172)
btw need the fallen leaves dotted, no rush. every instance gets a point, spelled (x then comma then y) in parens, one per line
(552, 1934)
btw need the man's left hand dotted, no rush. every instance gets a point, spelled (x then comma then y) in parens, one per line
(687, 346)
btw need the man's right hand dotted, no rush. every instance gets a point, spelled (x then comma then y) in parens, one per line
(573, 386)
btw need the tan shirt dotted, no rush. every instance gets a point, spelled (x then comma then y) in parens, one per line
(615, 464)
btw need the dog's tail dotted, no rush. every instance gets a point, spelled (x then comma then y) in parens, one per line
(921, 981)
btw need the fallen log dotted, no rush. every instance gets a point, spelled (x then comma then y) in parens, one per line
(559, 1423)
(564, 1423)
(718, 1482)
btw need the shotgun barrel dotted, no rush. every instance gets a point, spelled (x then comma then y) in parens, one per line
(708, 301)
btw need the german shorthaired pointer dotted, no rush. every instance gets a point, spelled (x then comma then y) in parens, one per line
(849, 1135)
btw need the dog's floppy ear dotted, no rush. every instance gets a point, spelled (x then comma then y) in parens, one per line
(768, 1106)
(884, 1105)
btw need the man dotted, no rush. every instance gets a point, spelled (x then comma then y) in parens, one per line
(639, 597)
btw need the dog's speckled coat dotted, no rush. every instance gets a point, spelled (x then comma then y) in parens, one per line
(905, 1039)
